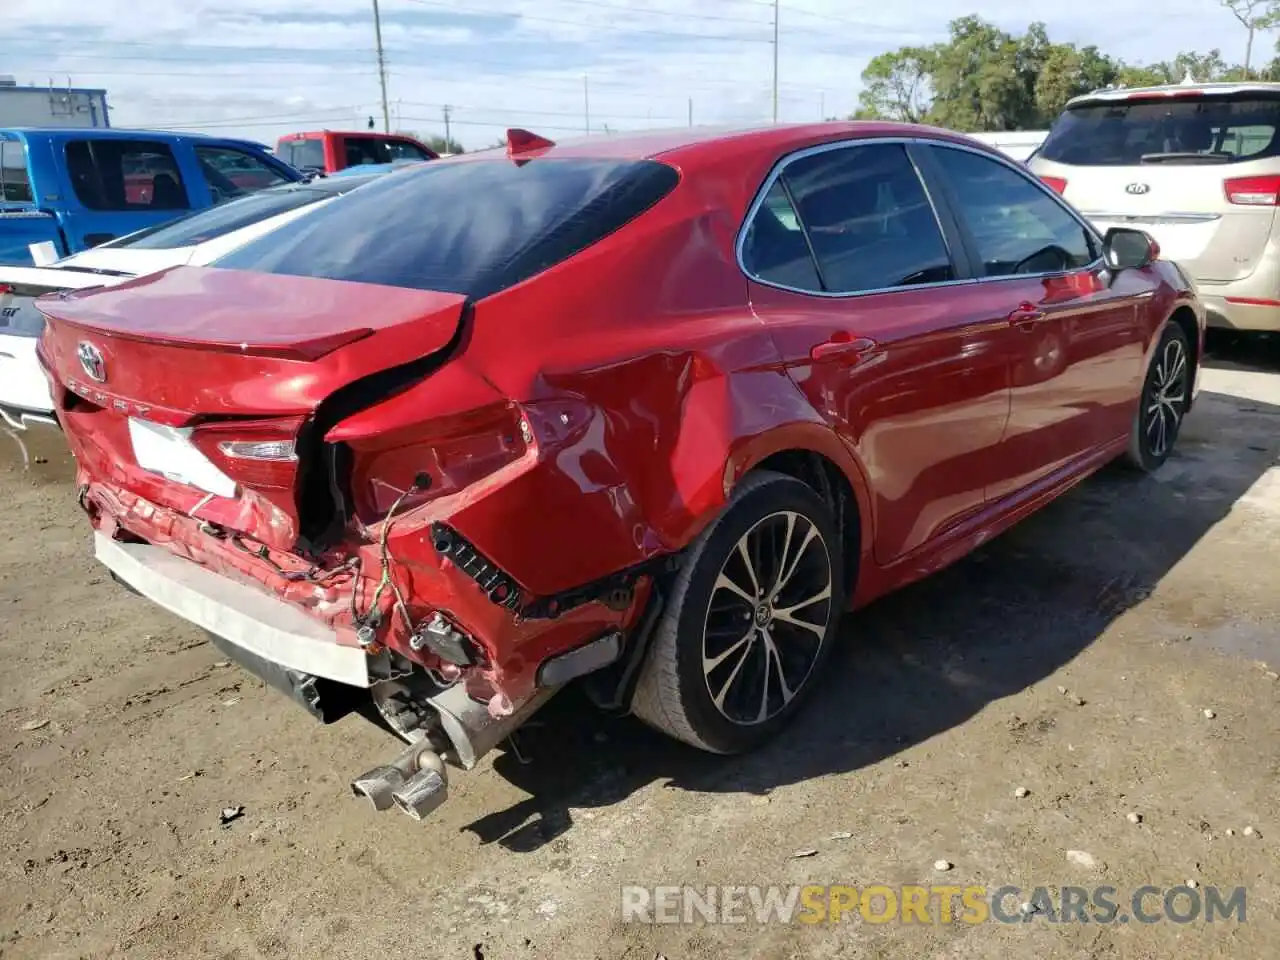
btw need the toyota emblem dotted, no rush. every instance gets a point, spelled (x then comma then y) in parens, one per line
(1138, 189)
(95, 367)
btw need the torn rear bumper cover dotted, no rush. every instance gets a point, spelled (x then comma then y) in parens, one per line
(242, 615)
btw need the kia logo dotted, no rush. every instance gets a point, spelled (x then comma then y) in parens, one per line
(1138, 189)
(95, 367)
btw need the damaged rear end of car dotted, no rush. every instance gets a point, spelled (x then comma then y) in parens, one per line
(293, 451)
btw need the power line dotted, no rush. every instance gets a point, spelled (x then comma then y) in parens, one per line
(577, 23)
(663, 13)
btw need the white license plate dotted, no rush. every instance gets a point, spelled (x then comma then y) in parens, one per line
(169, 452)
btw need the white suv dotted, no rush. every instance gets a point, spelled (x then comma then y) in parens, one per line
(1196, 166)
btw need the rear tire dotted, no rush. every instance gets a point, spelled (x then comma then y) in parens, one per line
(1163, 402)
(750, 622)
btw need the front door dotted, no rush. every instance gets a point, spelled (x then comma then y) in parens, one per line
(1072, 337)
(852, 273)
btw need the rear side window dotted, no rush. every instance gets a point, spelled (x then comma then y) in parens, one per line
(1186, 130)
(867, 218)
(302, 154)
(125, 175)
(471, 228)
(15, 184)
(218, 221)
(775, 249)
(1017, 227)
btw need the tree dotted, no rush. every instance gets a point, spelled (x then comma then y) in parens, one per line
(440, 144)
(896, 86)
(976, 79)
(1254, 15)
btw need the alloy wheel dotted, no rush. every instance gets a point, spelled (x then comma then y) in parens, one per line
(767, 619)
(1166, 398)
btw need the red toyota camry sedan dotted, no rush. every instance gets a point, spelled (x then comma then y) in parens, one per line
(648, 412)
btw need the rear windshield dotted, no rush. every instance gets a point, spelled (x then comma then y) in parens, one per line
(302, 154)
(218, 221)
(1187, 130)
(472, 228)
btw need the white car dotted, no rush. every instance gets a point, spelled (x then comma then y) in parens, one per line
(197, 239)
(1194, 165)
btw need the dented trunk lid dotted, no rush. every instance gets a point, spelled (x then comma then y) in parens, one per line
(195, 388)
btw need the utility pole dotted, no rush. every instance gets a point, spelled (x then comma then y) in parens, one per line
(586, 105)
(448, 148)
(775, 61)
(691, 111)
(382, 67)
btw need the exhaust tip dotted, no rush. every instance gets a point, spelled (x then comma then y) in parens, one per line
(378, 786)
(422, 794)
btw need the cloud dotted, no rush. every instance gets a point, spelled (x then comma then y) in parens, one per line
(261, 68)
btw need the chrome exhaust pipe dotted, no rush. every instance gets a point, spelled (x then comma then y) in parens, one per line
(424, 792)
(382, 785)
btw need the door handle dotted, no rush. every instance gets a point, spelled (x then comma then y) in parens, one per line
(1025, 315)
(841, 346)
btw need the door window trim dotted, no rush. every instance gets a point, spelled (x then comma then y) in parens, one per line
(944, 214)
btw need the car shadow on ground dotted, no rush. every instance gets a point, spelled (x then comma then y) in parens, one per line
(931, 656)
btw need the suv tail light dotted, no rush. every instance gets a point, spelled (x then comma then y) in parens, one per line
(1056, 184)
(1253, 191)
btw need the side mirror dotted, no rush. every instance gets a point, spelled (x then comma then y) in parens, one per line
(1125, 249)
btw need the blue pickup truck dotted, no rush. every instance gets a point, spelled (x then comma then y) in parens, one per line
(75, 189)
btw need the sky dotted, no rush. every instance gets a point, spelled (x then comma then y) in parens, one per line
(262, 68)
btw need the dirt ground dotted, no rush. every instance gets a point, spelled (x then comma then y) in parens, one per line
(1152, 600)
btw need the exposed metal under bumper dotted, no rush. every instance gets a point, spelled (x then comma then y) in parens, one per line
(239, 613)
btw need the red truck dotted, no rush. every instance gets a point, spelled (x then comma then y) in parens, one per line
(328, 151)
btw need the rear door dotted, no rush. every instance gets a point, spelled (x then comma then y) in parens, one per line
(854, 273)
(1072, 335)
(122, 185)
(1197, 170)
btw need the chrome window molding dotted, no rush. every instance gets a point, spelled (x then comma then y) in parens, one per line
(848, 142)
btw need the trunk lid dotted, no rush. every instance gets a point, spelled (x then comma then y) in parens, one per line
(195, 387)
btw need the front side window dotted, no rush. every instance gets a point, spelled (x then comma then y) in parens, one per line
(125, 175)
(1017, 227)
(868, 219)
(15, 184)
(232, 173)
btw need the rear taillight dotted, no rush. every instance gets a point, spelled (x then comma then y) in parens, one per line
(260, 454)
(1253, 191)
(1056, 184)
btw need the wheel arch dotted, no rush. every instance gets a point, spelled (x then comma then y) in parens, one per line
(1185, 317)
(814, 455)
